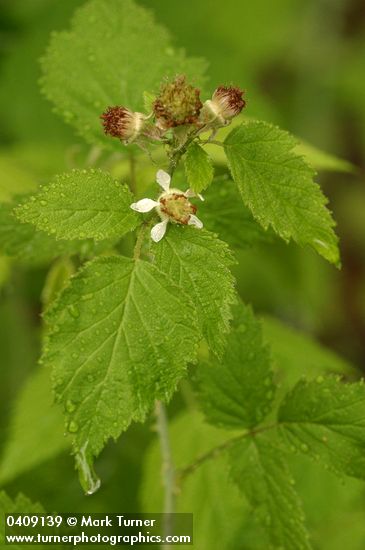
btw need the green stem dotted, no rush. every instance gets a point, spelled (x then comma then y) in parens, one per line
(132, 171)
(168, 469)
(212, 141)
(176, 155)
(218, 450)
(139, 241)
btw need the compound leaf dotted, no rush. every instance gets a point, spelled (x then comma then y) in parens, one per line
(259, 468)
(81, 204)
(237, 392)
(198, 168)
(113, 53)
(324, 419)
(120, 336)
(277, 185)
(199, 263)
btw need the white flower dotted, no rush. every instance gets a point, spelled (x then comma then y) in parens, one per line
(172, 206)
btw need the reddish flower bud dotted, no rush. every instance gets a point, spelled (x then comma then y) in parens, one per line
(122, 123)
(226, 103)
(178, 103)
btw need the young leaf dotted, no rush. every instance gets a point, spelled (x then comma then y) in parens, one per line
(120, 336)
(237, 391)
(224, 213)
(199, 263)
(36, 431)
(261, 472)
(198, 168)
(113, 53)
(81, 204)
(325, 419)
(278, 187)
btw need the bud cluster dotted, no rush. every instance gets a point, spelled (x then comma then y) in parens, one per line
(177, 104)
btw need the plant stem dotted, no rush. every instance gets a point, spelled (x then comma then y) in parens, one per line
(168, 469)
(132, 171)
(216, 451)
(180, 151)
(139, 241)
(212, 141)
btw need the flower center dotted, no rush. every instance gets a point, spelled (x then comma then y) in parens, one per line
(177, 207)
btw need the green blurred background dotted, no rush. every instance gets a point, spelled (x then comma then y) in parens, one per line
(302, 63)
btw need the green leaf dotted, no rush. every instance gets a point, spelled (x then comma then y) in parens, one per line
(224, 213)
(23, 242)
(209, 483)
(81, 204)
(20, 505)
(199, 264)
(120, 336)
(261, 472)
(325, 419)
(113, 53)
(36, 431)
(198, 168)
(278, 187)
(237, 392)
(318, 159)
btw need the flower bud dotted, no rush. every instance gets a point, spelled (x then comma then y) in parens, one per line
(226, 103)
(122, 123)
(178, 103)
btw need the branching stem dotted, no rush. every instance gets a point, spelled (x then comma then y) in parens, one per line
(216, 451)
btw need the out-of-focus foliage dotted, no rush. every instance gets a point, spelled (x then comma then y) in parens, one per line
(302, 64)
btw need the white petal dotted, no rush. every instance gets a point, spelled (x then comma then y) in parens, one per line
(191, 193)
(158, 231)
(144, 205)
(163, 179)
(193, 220)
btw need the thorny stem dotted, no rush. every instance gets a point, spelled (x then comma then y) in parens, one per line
(216, 451)
(168, 469)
